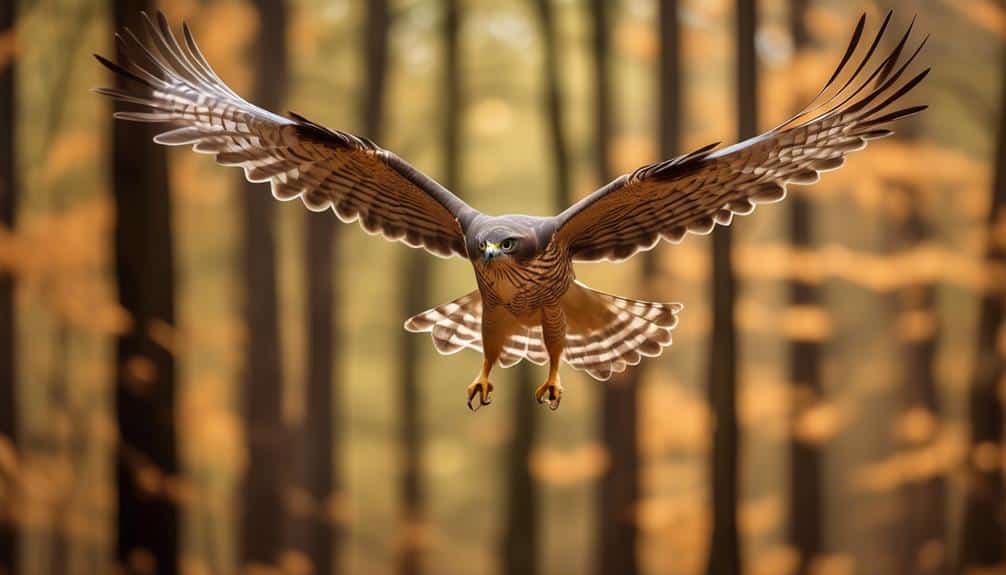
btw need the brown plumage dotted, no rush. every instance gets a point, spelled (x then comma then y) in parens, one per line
(528, 304)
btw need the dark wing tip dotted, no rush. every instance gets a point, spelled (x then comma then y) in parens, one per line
(706, 149)
(146, 19)
(119, 70)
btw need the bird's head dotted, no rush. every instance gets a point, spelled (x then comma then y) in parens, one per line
(506, 238)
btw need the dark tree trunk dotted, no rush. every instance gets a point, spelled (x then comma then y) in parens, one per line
(317, 530)
(320, 532)
(618, 531)
(520, 549)
(412, 492)
(376, 40)
(619, 490)
(620, 484)
(453, 98)
(553, 103)
(415, 272)
(724, 552)
(925, 500)
(8, 333)
(147, 520)
(670, 79)
(805, 509)
(262, 522)
(984, 540)
(71, 445)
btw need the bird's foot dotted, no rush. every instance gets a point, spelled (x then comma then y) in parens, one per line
(480, 393)
(550, 391)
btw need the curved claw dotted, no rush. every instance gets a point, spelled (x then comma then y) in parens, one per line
(550, 392)
(483, 390)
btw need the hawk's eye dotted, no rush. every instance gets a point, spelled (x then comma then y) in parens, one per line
(508, 245)
(482, 246)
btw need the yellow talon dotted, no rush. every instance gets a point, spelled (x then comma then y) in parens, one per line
(484, 389)
(552, 390)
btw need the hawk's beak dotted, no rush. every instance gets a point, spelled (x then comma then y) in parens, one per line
(491, 252)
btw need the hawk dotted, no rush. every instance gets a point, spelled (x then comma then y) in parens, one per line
(528, 304)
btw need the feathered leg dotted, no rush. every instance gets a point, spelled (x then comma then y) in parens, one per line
(553, 327)
(494, 334)
(481, 387)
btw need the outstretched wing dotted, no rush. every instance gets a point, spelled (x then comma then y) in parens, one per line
(174, 86)
(695, 192)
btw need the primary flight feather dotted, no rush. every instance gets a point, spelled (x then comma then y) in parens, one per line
(528, 304)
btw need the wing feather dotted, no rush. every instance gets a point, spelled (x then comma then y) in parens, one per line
(174, 85)
(697, 191)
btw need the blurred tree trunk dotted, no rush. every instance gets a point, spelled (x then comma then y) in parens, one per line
(8, 323)
(414, 296)
(619, 490)
(71, 441)
(520, 541)
(520, 544)
(553, 104)
(983, 543)
(318, 530)
(925, 500)
(263, 493)
(620, 486)
(805, 508)
(724, 552)
(670, 83)
(145, 371)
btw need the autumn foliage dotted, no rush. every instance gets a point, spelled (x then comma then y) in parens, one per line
(905, 259)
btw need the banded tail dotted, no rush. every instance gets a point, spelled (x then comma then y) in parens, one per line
(604, 333)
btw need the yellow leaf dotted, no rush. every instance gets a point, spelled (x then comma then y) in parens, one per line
(818, 424)
(917, 425)
(224, 46)
(982, 13)
(916, 325)
(69, 151)
(761, 516)
(986, 456)
(569, 467)
(8, 47)
(777, 560)
(636, 39)
(836, 564)
(807, 323)
(491, 116)
(628, 152)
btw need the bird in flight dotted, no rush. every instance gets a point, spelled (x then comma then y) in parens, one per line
(528, 304)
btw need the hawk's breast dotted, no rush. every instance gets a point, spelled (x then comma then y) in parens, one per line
(525, 287)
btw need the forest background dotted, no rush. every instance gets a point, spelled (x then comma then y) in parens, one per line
(195, 378)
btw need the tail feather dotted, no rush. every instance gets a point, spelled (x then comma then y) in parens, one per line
(457, 324)
(454, 325)
(604, 333)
